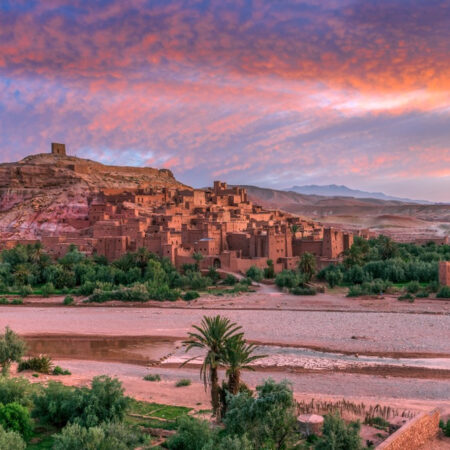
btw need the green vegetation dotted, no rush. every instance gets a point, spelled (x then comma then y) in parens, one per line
(41, 364)
(444, 292)
(212, 335)
(191, 295)
(183, 382)
(11, 440)
(57, 370)
(68, 300)
(12, 348)
(151, 377)
(374, 266)
(445, 427)
(255, 273)
(139, 276)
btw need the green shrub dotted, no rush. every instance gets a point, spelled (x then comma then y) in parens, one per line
(151, 377)
(47, 289)
(255, 273)
(16, 301)
(4, 301)
(230, 280)
(192, 434)
(407, 297)
(10, 440)
(289, 279)
(422, 294)
(60, 371)
(183, 382)
(41, 364)
(68, 300)
(15, 390)
(104, 402)
(445, 427)
(433, 286)
(266, 419)
(413, 287)
(337, 435)
(107, 436)
(303, 291)
(25, 290)
(15, 417)
(12, 348)
(444, 292)
(191, 295)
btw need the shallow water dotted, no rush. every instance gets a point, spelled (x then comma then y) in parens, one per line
(140, 350)
(147, 351)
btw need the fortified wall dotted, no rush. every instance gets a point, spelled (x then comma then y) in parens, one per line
(444, 273)
(414, 434)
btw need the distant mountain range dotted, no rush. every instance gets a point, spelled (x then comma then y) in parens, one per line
(334, 190)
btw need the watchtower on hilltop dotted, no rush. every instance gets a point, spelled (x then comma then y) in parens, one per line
(58, 149)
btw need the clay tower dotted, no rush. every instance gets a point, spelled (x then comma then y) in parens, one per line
(58, 149)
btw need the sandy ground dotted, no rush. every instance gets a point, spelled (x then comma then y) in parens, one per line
(378, 332)
(383, 327)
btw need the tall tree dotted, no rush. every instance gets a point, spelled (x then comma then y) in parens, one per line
(307, 265)
(12, 348)
(211, 336)
(238, 356)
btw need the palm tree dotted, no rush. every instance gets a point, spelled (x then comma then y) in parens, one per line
(238, 356)
(197, 258)
(212, 335)
(307, 265)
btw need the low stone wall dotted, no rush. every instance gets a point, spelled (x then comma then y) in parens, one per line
(414, 433)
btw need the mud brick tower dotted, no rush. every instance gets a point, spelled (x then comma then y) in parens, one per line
(58, 149)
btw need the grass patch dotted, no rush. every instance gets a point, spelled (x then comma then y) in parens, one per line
(157, 411)
(183, 382)
(152, 377)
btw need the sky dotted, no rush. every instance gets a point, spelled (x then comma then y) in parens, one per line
(273, 93)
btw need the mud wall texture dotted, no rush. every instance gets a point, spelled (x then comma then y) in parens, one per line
(414, 433)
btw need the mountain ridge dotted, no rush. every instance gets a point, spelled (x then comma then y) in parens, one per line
(334, 190)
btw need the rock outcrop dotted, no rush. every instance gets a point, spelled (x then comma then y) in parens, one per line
(41, 192)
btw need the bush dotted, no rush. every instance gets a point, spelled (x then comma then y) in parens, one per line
(288, 279)
(151, 377)
(337, 435)
(60, 371)
(41, 364)
(433, 286)
(269, 418)
(25, 290)
(58, 405)
(422, 294)
(230, 280)
(407, 297)
(192, 434)
(47, 289)
(68, 300)
(4, 301)
(15, 390)
(15, 417)
(445, 427)
(255, 273)
(115, 436)
(444, 292)
(17, 301)
(10, 440)
(12, 348)
(191, 295)
(303, 291)
(413, 287)
(183, 382)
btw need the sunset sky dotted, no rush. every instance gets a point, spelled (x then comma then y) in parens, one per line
(272, 93)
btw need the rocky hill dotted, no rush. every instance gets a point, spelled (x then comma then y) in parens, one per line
(40, 191)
